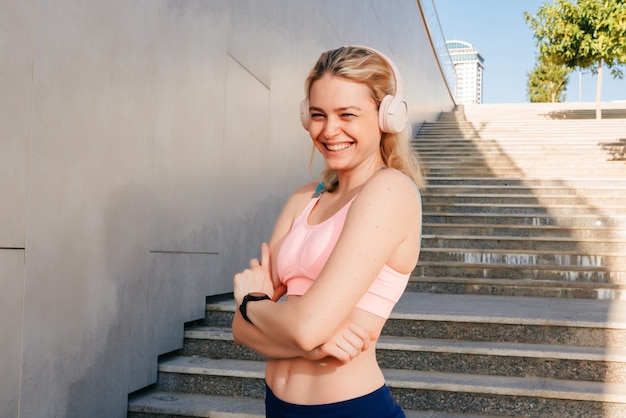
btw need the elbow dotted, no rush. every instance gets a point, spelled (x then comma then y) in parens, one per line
(309, 336)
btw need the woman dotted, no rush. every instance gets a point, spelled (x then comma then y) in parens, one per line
(342, 251)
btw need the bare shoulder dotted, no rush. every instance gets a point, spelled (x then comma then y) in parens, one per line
(392, 187)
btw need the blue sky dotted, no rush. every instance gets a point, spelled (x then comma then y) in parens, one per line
(497, 29)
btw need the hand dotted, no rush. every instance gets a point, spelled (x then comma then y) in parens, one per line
(257, 278)
(349, 341)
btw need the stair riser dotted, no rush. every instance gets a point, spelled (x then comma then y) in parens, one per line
(452, 400)
(446, 362)
(494, 365)
(531, 220)
(585, 193)
(218, 349)
(565, 290)
(516, 259)
(252, 387)
(537, 210)
(573, 183)
(518, 171)
(529, 232)
(513, 333)
(480, 331)
(549, 244)
(513, 272)
(456, 401)
(575, 201)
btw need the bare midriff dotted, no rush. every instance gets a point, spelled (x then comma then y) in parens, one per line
(306, 382)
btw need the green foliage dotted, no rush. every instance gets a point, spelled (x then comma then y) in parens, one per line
(583, 34)
(547, 83)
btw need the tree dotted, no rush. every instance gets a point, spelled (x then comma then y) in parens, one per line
(547, 83)
(586, 34)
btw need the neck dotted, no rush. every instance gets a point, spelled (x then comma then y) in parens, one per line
(352, 180)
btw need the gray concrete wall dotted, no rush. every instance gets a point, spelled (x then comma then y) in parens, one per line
(146, 148)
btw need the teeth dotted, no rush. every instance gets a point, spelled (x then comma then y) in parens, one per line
(337, 147)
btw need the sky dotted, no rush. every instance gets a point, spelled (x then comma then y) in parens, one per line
(497, 29)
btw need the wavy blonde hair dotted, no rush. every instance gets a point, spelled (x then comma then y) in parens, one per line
(365, 66)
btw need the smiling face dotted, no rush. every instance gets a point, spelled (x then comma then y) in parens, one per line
(344, 123)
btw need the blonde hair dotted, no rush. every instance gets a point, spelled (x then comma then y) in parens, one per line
(365, 66)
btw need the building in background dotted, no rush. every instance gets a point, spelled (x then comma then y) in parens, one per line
(469, 67)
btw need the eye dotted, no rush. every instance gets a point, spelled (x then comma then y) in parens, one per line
(348, 115)
(317, 116)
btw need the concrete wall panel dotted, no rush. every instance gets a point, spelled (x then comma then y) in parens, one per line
(17, 19)
(150, 146)
(245, 190)
(11, 298)
(186, 302)
(189, 129)
(251, 37)
(89, 205)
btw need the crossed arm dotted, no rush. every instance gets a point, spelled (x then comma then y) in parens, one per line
(349, 340)
(316, 325)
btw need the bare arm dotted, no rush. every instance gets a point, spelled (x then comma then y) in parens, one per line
(346, 343)
(382, 217)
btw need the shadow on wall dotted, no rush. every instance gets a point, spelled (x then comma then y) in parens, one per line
(123, 320)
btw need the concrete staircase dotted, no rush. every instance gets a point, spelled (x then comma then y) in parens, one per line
(517, 306)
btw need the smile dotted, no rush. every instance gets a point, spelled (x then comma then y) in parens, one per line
(338, 147)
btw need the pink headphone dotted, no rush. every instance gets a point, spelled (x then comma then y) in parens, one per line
(392, 112)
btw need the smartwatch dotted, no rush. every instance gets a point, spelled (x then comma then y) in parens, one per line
(251, 297)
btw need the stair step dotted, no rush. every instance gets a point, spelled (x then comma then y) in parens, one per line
(504, 208)
(549, 201)
(591, 248)
(245, 379)
(517, 287)
(484, 255)
(538, 191)
(593, 234)
(517, 306)
(516, 271)
(578, 220)
(528, 320)
(509, 396)
(572, 182)
(538, 360)
(169, 404)
(165, 404)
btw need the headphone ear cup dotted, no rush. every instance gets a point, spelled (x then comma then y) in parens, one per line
(304, 114)
(392, 114)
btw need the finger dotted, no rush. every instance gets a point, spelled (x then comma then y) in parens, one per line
(363, 334)
(254, 263)
(350, 345)
(331, 350)
(360, 331)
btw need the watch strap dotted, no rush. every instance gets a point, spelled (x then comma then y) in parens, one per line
(251, 297)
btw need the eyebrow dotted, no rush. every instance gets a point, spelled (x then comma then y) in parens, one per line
(340, 109)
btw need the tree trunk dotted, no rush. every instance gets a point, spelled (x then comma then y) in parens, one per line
(599, 91)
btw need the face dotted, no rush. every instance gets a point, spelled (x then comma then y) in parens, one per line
(344, 123)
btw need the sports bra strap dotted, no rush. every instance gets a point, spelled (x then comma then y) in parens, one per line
(321, 188)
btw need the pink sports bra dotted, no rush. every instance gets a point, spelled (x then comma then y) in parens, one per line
(306, 249)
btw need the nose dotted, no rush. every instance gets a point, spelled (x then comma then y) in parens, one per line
(331, 127)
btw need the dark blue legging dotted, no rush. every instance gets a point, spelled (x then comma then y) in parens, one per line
(379, 404)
